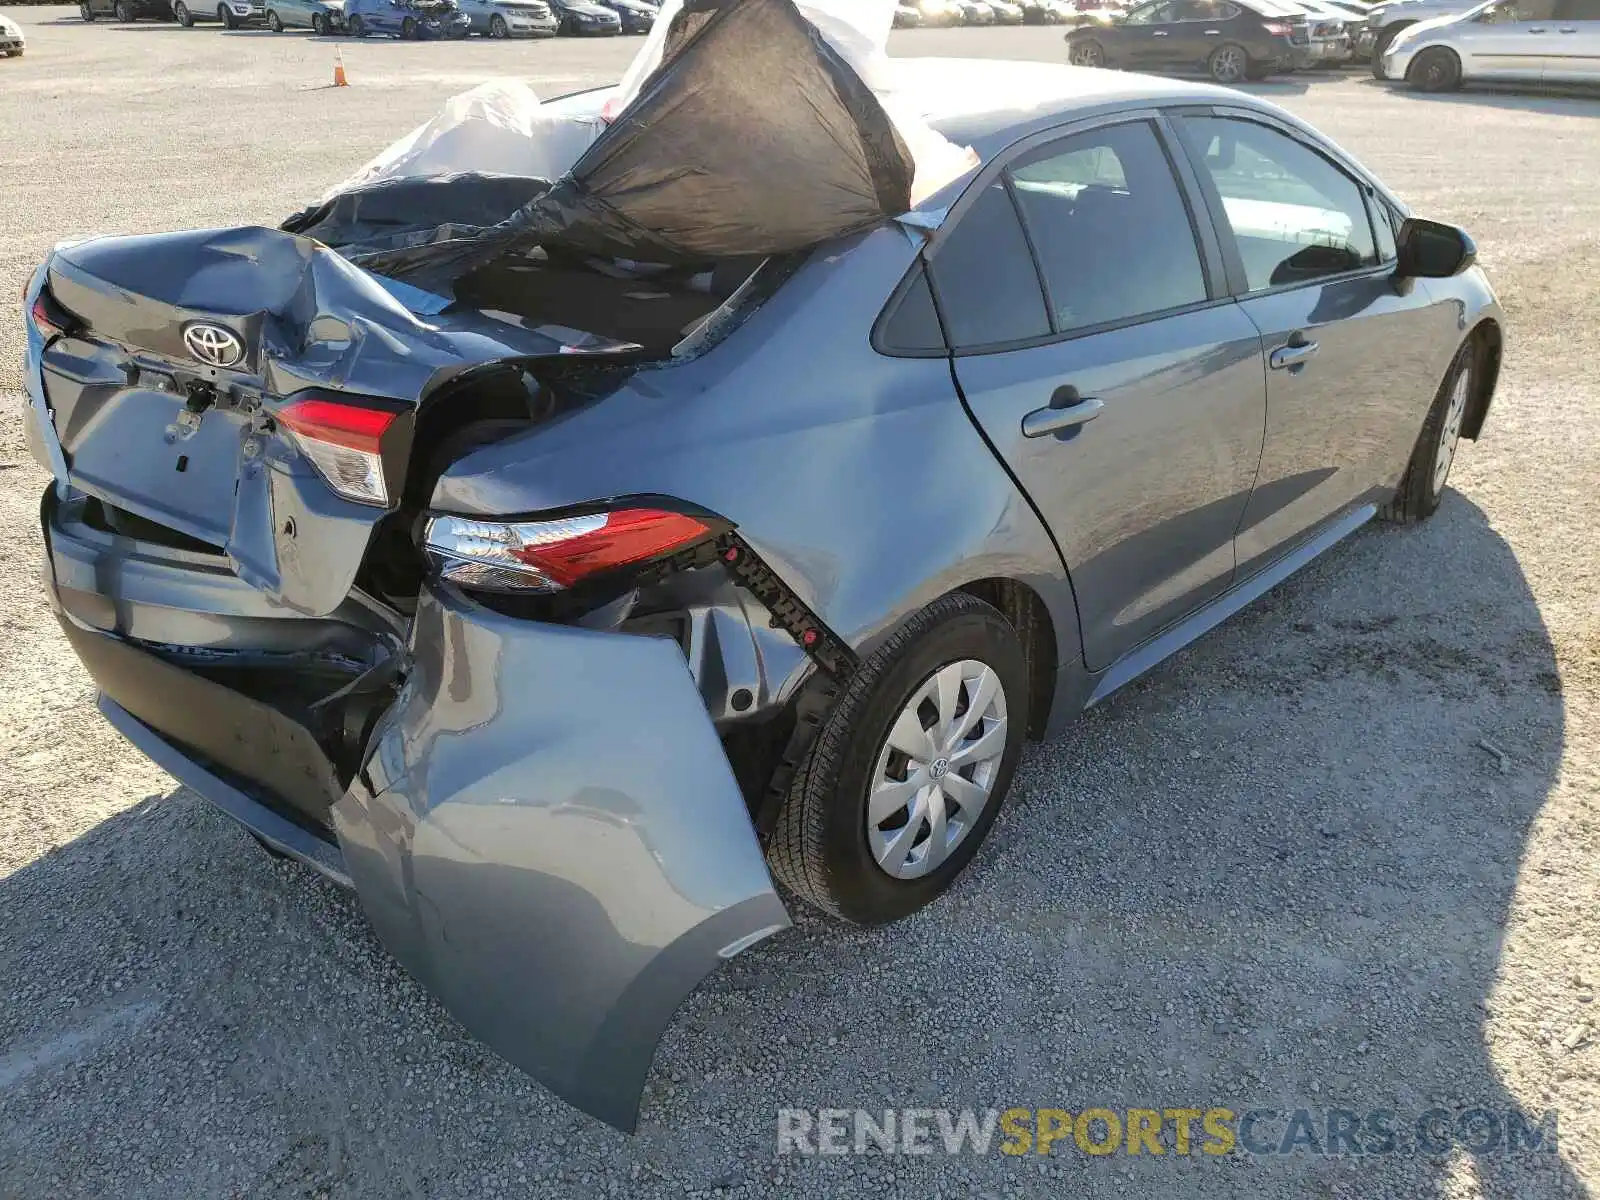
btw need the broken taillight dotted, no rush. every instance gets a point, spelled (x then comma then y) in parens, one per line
(344, 441)
(553, 555)
(48, 317)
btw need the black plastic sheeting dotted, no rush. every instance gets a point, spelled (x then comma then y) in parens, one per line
(754, 137)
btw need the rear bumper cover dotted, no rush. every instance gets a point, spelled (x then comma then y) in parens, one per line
(546, 831)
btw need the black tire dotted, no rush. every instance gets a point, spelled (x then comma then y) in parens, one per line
(498, 27)
(274, 23)
(1417, 498)
(225, 15)
(1086, 52)
(819, 845)
(319, 27)
(1436, 69)
(1385, 36)
(86, 13)
(182, 15)
(1229, 64)
(358, 27)
(122, 12)
(408, 30)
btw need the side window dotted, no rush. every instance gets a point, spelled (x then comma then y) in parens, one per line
(912, 326)
(1519, 10)
(1110, 227)
(1295, 216)
(987, 286)
(1150, 14)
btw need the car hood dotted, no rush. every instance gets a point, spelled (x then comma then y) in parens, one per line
(1422, 28)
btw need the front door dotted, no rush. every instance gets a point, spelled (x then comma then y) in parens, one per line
(1100, 359)
(1312, 254)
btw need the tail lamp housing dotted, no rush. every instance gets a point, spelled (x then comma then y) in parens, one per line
(354, 443)
(560, 552)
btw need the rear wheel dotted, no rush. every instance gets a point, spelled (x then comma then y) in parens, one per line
(910, 767)
(318, 26)
(1228, 64)
(358, 27)
(1422, 486)
(122, 12)
(1385, 36)
(182, 15)
(1435, 70)
(408, 30)
(86, 13)
(225, 15)
(1087, 53)
(273, 22)
(498, 27)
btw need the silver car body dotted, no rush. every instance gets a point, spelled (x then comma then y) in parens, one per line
(1531, 41)
(1384, 20)
(545, 826)
(522, 18)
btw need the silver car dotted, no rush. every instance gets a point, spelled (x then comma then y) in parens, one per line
(1384, 21)
(232, 14)
(1508, 41)
(509, 18)
(565, 618)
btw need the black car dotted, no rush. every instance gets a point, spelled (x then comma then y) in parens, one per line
(585, 18)
(636, 16)
(1229, 39)
(125, 10)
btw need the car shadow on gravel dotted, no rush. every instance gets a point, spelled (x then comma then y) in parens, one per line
(1275, 875)
(1569, 102)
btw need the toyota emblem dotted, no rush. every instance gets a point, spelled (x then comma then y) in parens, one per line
(212, 344)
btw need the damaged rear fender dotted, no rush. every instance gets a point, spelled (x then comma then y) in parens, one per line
(548, 835)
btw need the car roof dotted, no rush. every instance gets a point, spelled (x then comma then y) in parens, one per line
(988, 103)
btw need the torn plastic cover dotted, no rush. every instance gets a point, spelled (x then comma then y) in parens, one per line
(754, 137)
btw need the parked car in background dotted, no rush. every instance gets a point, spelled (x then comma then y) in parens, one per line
(1046, 12)
(975, 12)
(12, 43)
(406, 19)
(509, 18)
(1356, 13)
(1231, 40)
(636, 15)
(585, 18)
(1387, 19)
(907, 16)
(1331, 40)
(125, 10)
(232, 14)
(1509, 41)
(319, 16)
(940, 12)
(1005, 12)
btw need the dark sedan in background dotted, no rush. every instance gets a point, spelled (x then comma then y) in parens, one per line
(636, 16)
(1231, 40)
(585, 18)
(125, 10)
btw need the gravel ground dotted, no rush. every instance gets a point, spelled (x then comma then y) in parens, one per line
(1282, 871)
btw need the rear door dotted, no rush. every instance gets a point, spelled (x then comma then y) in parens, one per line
(1096, 349)
(1142, 37)
(1575, 53)
(1347, 388)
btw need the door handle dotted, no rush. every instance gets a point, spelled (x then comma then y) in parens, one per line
(1540, 29)
(1293, 355)
(1159, 33)
(1066, 410)
(1566, 31)
(1213, 33)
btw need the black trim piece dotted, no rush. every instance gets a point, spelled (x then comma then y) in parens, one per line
(1008, 182)
(789, 612)
(815, 701)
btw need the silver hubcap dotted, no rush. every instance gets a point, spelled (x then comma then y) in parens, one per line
(936, 769)
(1087, 56)
(1228, 65)
(1450, 431)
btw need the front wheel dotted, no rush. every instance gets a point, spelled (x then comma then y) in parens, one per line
(1228, 64)
(498, 27)
(358, 27)
(86, 13)
(122, 12)
(182, 15)
(273, 23)
(318, 26)
(1435, 70)
(408, 30)
(1422, 486)
(225, 15)
(1087, 53)
(909, 769)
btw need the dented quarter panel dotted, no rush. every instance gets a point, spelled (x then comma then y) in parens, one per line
(758, 433)
(548, 835)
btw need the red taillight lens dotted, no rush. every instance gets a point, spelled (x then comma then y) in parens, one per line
(551, 556)
(1276, 28)
(47, 318)
(344, 441)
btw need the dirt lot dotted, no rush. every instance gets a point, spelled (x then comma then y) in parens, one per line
(1284, 871)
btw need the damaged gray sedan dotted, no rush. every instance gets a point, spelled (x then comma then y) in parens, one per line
(559, 560)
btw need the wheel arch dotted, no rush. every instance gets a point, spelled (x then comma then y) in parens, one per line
(1488, 341)
(1029, 615)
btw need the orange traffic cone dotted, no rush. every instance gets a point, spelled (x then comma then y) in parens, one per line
(338, 70)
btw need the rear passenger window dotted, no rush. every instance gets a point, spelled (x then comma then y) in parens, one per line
(912, 326)
(1295, 216)
(987, 287)
(1110, 227)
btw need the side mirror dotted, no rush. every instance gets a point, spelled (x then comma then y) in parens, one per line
(1433, 250)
